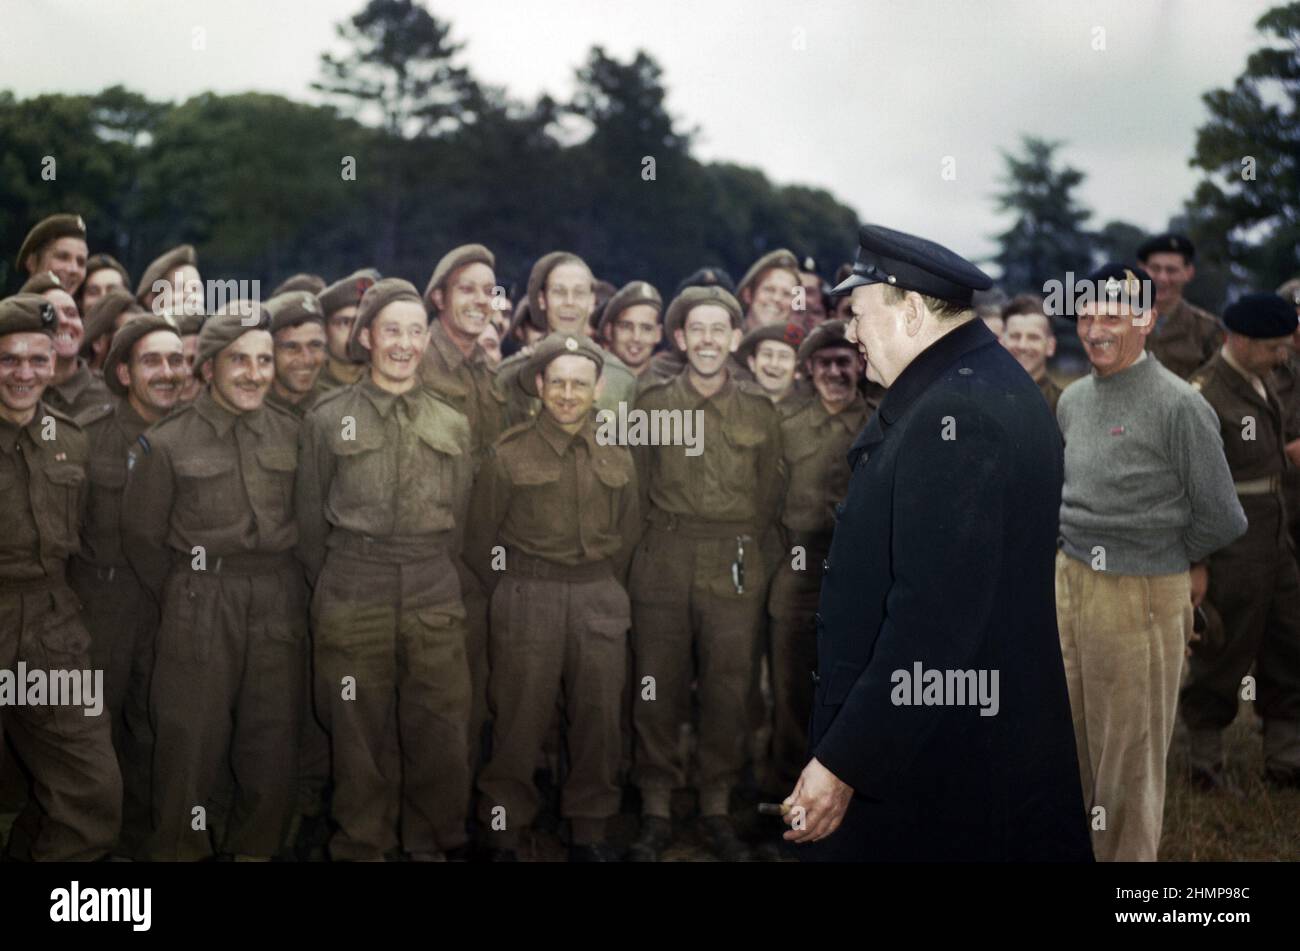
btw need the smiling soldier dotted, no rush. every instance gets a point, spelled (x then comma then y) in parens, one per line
(298, 329)
(57, 244)
(208, 524)
(75, 389)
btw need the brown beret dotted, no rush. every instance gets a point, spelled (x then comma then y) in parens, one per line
(692, 297)
(49, 230)
(348, 291)
(292, 309)
(390, 290)
(106, 262)
(105, 312)
(458, 258)
(829, 333)
(781, 257)
(537, 281)
(40, 282)
(189, 324)
(26, 314)
(163, 267)
(630, 295)
(792, 335)
(126, 338)
(557, 345)
(227, 325)
(311, 283)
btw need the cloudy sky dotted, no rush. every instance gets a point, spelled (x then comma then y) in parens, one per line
(866, 98)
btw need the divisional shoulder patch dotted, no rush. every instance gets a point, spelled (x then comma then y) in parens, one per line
(143, 440)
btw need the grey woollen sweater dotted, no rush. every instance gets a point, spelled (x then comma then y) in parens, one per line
(1145, 475)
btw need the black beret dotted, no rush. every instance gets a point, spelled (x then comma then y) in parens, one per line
(1167, 243)
(1262, 316)
(1123, 283)
(886, 256)
(27, 313)
(132, 333)
(551, 347)
(312, 283)
(51, 229)
(707, 277)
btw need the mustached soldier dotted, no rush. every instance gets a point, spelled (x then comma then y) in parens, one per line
(144, 369)
(382, 490)
(43, 459)
(699, 573)
(208, 525)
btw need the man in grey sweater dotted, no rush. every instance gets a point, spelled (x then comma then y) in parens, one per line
(1148, 496)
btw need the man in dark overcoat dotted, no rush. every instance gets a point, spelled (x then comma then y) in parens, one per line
(941, 724)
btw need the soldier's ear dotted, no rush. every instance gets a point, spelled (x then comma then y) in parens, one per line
(436, 299)
(747, 297)
(752, 364)
(735, 339)
(659, 333)
(123, 374)
(205, 371)
(680, 337)
(540, 382)
(1191, 271)
(1051, 346)
(363, 337)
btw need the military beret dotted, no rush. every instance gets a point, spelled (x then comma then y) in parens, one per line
(458, 258)
(40, 282)
(830, 333)
(707, 277)
(27, 313)
(126, 338)
(1262, 316)
(163, 267)
(292, 309)
(792, 335)
(226, 326)
(348, 291)
(105, 311)
(552, 346)
(537, 281)
(390, 290)
(692, 297)
(49, 230)
(630, 295)
(106, 262)
(189, 324)
(781, 257)
(1167, 243)
(311, 283)
(1122, 283)
(886, 256)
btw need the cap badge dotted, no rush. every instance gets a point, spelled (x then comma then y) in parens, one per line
(81, 225)
(47, 315)
(570, 344)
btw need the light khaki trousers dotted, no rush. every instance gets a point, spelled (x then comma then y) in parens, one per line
(1122, 639)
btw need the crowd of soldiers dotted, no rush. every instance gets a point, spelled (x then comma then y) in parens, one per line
(356, 560)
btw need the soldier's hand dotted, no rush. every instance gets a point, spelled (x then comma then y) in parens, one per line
(1200, 582)
(817, 805)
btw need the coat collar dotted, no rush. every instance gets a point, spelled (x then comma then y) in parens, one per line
(221, 419)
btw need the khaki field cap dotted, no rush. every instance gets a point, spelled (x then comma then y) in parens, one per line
(346, 292)
(163, 267)
(781, 257)
(630, 295)
(388, 291)
(293, 309)
(106, 262)
(312, 283)
(105, 312)
(537, 281)
(49, 230)
(551, 348)
(226, 326)
(791, 335)
(126, 338)
(693, 297)
(458, 258)
(27, 313)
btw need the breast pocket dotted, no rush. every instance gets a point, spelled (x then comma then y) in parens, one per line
(61, 514)
(364, 474)
(209, 493)
(279, 465)
(743, 444)
(439, 460)
(614, 476)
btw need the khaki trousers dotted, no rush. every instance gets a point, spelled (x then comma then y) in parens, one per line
(393, 686)
(75, 780)
(553, 640)
(688, 622)
(227, 702)
(1122, 640)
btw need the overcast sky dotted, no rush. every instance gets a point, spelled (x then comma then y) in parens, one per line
(863, 97)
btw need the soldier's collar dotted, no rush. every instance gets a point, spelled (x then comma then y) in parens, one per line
(384, 401)
(223, 420)
(441, 341)
(559, 440)
(76, 384)
(930, 364)
(695, 399)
